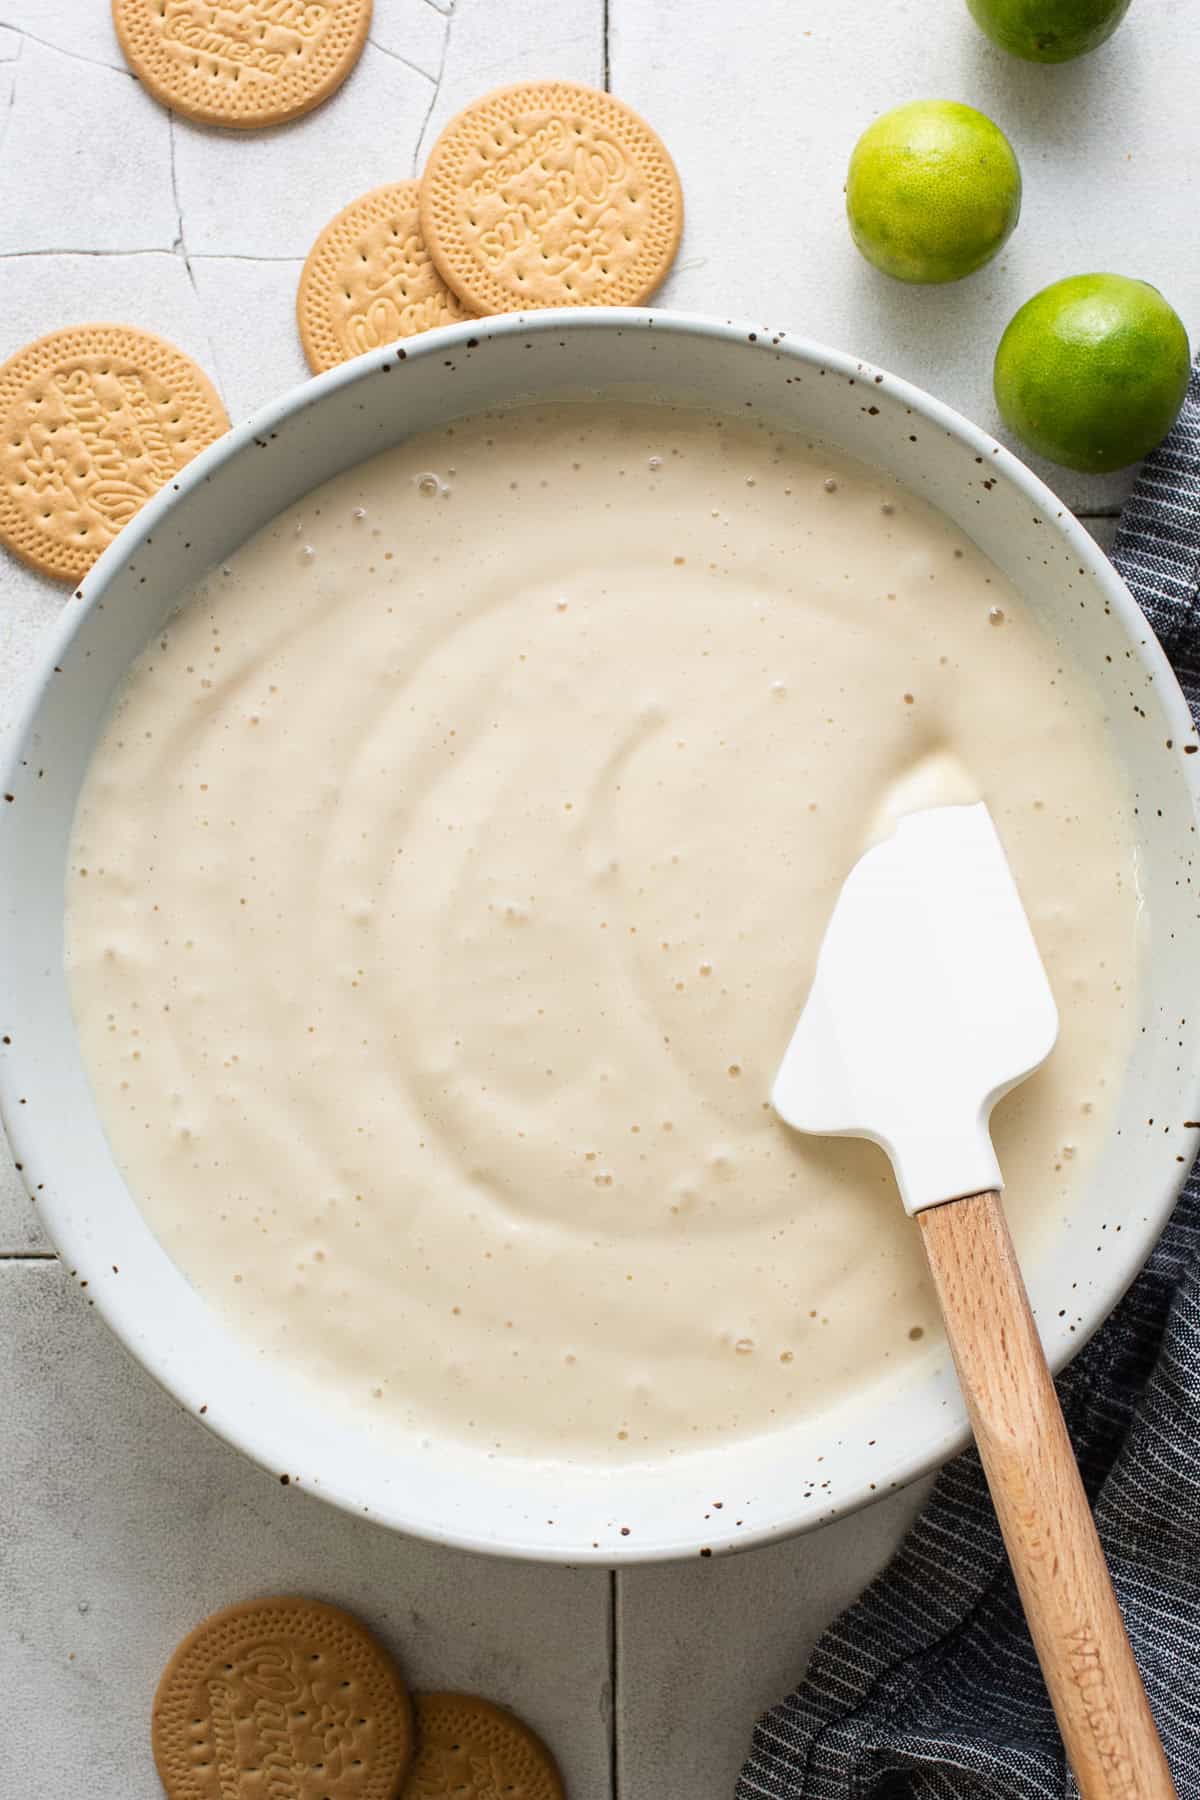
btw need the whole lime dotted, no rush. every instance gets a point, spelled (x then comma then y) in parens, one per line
(1092, 371)
(933, 191)
(1048, 31)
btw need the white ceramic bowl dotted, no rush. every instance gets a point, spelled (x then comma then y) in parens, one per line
(770, 1486)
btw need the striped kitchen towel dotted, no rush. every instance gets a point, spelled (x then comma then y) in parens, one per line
(928, 1689)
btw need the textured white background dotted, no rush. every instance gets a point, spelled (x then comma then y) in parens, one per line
(122, 1521)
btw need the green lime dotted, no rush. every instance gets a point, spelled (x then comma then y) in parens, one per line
(933, 191)
(1048, 31)
(1092, 371)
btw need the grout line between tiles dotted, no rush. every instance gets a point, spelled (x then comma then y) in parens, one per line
(33, 1256)
(31, 255)
(607, 63)
(152, 250)
(438, 80)
(614, 1683)
(425, 74)
(93, 62)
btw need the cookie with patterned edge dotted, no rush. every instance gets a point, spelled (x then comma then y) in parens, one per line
(369, 280)
(468, 1749)
(241, 63)
(550, 194)
(282, 1697)
(93, 421)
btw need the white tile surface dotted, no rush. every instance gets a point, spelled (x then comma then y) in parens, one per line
(20, 1231)
(82, 31)
(87, 160)
(44, 293)
(124, 1522)
(704, 1648)
(413, 30)
(490, 44)
(249, 309)
(268, 193)
(1103, 530)
(121, 1521)
(10, 53)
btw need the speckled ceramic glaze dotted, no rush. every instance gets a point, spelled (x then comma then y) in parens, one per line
(767, 1487)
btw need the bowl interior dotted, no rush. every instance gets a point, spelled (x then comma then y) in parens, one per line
(801, 1475)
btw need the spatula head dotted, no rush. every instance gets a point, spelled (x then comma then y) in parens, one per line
(929, 1003)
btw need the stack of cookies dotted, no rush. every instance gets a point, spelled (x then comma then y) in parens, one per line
(289, 1696)
(543, 194)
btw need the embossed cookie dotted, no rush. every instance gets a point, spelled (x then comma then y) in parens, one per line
(241, 62)
(93, 420)
(468, 1749)
(369, 280)
(550, 195)
(282, 1698)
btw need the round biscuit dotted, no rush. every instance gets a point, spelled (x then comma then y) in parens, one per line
(468, 1749)
(93, 421)
(369, 280)
(550, 194)
(282, 1695)
(245, 63)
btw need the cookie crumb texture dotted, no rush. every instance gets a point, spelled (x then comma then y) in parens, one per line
(469, 1749)
(369, 280)
(93, 421)
(550, 195)
(242, 63)
(282, 1698)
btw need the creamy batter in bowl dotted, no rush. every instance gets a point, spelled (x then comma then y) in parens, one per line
(512, 1491)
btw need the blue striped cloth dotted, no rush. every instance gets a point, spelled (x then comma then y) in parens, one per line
(928, 1689)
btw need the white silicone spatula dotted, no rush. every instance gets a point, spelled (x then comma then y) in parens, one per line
(929, 1003)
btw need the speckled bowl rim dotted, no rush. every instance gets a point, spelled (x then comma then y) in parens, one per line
(85, 1257)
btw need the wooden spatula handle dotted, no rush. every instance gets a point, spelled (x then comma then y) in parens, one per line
(1078, 1633)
